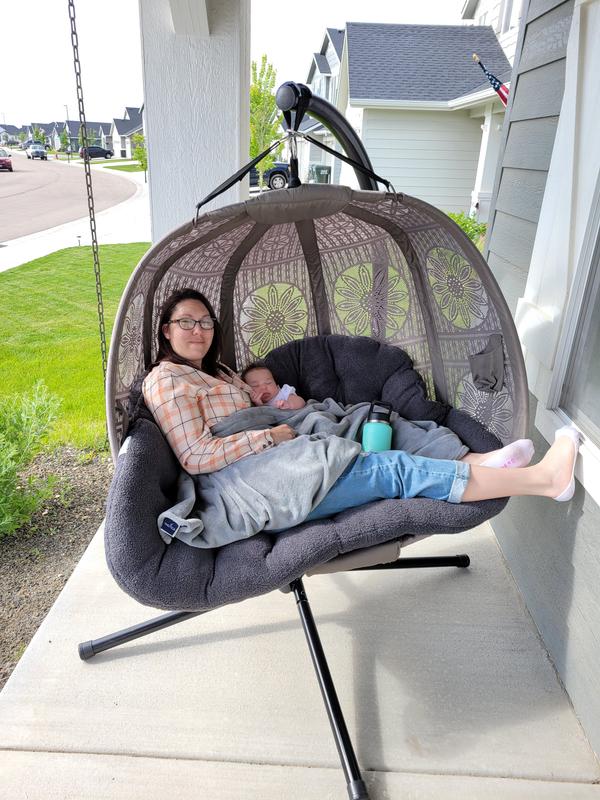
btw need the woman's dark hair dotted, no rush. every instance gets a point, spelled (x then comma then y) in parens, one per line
(165, 350)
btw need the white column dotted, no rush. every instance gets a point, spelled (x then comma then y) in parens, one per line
(196, 67)
(486, 166)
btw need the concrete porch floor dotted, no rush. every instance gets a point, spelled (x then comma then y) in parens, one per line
(446, 687)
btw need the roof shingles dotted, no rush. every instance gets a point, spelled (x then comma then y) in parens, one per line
(419, 62)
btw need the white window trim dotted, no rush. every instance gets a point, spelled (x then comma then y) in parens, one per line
(547, 316)
(549, 416)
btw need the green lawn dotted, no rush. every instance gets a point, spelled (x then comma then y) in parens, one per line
(49, 331)
(76, 159)
(125, 167)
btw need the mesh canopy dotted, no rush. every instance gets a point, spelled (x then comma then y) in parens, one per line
(326, 259)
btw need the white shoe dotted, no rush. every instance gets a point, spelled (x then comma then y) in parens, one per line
(573, 434)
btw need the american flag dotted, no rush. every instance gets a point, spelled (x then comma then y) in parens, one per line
(500, 88)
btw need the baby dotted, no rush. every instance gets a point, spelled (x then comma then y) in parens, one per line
(265, 392)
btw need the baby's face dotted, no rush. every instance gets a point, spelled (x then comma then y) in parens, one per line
(262, 380)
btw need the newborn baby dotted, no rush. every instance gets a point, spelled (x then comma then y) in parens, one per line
(265, 392)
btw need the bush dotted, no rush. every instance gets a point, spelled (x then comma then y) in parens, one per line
(25, 420)
(474, 230)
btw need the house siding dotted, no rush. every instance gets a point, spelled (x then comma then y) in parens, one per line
(493, 12)
(537, 91)
(431, 155)
(551, 549)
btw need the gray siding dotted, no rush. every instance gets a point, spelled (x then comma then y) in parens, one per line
(534, 106)
(550, 548)
(552, 552)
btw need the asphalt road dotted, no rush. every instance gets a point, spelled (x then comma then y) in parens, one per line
(42, 194)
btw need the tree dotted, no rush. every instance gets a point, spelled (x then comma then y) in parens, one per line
(64, 140)
(93, 137)
(264, 115)
(39, 135)
(139, 150)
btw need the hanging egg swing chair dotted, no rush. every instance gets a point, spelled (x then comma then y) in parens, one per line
(357, 295)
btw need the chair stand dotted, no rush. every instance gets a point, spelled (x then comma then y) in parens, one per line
(355, 785)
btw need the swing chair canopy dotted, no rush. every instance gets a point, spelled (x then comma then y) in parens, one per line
(320, 260)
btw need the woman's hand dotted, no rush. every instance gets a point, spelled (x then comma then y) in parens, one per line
(282, 433)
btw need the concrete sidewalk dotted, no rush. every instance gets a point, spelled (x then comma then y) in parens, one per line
(446, 688)
(126, 222)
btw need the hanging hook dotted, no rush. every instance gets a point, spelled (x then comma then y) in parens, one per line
(294, 180)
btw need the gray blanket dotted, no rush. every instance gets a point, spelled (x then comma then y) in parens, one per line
(277, 489)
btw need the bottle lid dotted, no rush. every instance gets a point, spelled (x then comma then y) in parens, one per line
(379, 412)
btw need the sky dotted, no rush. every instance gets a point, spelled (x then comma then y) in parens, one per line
(37, 77)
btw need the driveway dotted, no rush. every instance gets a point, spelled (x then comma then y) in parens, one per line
(43, 194)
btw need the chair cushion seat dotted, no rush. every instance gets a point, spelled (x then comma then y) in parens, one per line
(176, 576)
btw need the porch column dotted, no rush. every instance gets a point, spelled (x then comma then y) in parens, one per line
(196, 69)
(486, 166)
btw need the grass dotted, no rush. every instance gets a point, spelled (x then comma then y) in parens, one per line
(76, 159)
(49, 331)
(125, 167)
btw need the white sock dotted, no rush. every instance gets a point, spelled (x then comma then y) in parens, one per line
(516, 454)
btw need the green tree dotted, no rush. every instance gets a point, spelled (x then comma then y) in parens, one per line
(64, 140)
(39, 135)
(139, 150)
(93, 137)
(264, 115)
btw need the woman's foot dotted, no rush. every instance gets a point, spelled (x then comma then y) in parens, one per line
(516, 454)
(559, 462)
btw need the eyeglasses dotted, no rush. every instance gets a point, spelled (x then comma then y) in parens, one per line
(188, 324)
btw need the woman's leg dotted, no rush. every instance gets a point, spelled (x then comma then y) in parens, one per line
(377, 476)
(515, 454)
(551, 477)
(394, 473)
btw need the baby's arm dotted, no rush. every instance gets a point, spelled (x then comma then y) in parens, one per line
(293, 403)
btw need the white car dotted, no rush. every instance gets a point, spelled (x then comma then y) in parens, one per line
(37, 151)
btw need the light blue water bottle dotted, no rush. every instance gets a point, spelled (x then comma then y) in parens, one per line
(377, 431)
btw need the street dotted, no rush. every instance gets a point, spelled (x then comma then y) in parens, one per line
(43, 194)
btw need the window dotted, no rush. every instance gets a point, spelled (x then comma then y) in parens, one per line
(572, 392)
(580, 397)
(505, 15)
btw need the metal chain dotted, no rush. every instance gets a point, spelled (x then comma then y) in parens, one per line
(88, 184)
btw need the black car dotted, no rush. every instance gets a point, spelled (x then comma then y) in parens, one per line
(94, 151)
(276, 177)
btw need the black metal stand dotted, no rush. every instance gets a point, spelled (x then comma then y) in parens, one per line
(354, 782)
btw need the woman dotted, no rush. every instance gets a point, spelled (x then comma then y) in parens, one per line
(189, 391)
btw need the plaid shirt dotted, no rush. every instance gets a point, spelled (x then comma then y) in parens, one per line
(186, 403)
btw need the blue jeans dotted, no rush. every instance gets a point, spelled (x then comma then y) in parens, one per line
(393, 473)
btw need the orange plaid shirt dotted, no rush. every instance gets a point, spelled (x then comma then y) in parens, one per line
(186, 403)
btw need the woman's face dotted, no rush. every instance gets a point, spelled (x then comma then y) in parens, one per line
(192, 345)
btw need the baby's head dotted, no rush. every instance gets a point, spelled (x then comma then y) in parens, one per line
(258, 376)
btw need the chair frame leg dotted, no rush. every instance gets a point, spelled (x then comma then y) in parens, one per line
(357, 789)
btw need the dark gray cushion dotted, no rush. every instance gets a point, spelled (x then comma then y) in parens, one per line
(176, 576)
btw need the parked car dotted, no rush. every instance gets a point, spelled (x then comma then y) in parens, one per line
(276, 177)
(28, 142)
(5, 160)
(37, 151)
(94, 151)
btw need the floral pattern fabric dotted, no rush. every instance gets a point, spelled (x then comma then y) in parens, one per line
(271, 316)
(457, 288)
(358, 299)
